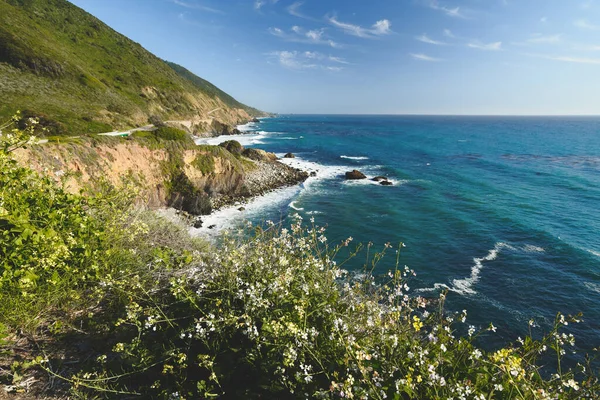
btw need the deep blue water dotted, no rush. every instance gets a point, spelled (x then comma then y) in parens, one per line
(501, 211)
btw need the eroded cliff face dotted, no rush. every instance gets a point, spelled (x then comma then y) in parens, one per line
(193, 178)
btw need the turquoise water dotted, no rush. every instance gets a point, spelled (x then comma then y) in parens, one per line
(500, 211)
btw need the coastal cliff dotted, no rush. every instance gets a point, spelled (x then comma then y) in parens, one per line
(176, 174)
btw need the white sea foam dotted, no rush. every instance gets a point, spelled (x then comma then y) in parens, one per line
(248, 139)
(293, 205)
(231, 217)
(249, 127)
(595, 287)
(358, 158)
(322, 171)
(465, 286)
(369, 182)
(529, 248)
(596, 253)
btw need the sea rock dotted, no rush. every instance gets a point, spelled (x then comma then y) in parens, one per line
(313, 173)
(379, 178)
(289, 155)
(212, 227)
(198, 223)
(259, 155)
(255, 120)
(386, 183)
(355, 174)
(242, 209)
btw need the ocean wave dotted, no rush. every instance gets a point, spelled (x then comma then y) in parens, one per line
(594, 287)
(293, 206)
(529, 248)
(465, 286)
(231, 217)
(369, 182)
(249, 127)
(357, 158)
(248, 139)
(593, 252)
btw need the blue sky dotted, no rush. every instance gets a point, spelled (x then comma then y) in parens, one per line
(379, 56)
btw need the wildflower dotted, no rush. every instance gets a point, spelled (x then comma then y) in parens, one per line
(471, 330)
(572, 384)
(492, 328)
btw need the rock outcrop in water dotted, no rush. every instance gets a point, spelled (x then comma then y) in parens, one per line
(355, 175)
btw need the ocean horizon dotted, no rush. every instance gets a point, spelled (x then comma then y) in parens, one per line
(499, 211)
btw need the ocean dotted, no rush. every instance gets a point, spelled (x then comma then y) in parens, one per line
(502, 212)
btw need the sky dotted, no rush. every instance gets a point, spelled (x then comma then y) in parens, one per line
(468, 57)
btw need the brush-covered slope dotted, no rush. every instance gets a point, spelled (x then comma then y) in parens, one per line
(80, 76)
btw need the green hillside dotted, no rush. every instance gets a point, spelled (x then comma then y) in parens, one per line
(80, 76)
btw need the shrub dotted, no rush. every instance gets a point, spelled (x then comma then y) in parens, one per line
(233, 146)
(170, 133)
(268, 313)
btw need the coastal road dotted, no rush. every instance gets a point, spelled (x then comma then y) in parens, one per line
(146, 128)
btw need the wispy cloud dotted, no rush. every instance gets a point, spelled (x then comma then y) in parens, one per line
(577, 60)
(300, 35)
(426, 39)
(545, 39)
(584, 24)
(454, 12)
(196, 6)
(294, 9)
(258, 4)
(587, 4)
(379, 28)
(424, 57)
(308, 60)
(495, 46)
(448, 33)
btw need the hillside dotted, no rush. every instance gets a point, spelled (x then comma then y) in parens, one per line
(80, 76)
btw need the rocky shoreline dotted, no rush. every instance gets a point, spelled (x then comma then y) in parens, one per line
(266, 177)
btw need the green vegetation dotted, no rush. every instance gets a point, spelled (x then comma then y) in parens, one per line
(211, 89)
(115, 302)
(79, 76)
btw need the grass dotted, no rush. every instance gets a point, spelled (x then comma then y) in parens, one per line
(66, 66)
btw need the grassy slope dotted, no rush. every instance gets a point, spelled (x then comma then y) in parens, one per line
(59, 61)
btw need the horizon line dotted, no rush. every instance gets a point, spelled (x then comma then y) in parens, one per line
(445, 115)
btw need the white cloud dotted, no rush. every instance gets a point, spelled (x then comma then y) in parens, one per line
(308, 60)
(448, 33)
(451, 12)
(424, 57)
(543, 20)
(495, 46)
(587, 4)
(196, 6)
(382, 27)
(258, 4)
(299, 35)
(426, 39)
(545, 39)
(294, 9)
(584, 24)
(577, 60)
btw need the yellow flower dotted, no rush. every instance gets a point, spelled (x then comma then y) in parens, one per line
(417, 324)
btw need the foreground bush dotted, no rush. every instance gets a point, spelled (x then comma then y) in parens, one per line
(265, 314)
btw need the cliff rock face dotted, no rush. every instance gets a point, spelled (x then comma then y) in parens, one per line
(194, 179)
